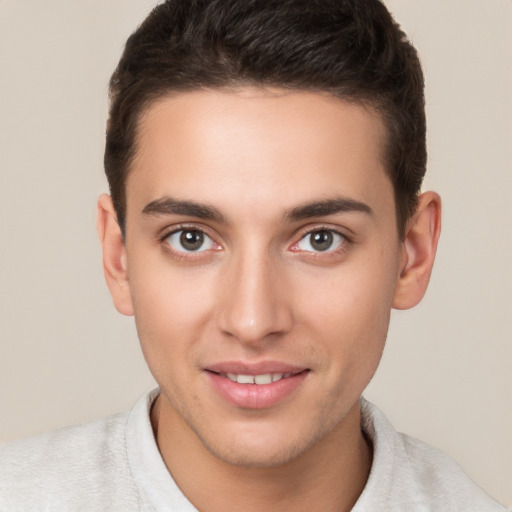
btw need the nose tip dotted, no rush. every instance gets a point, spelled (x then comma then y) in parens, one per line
(254, 305)
(250, 329)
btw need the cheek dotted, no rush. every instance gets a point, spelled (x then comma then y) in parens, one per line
(350, 297)
(350, 308)
(354, 329)
(355, 323)
(171, 310)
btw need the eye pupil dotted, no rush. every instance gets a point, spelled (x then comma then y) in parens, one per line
(192, 240)
(321, 240)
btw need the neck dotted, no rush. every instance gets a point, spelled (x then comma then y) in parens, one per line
(329, 476)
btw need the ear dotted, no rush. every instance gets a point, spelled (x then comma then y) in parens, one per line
(418, 251)
(114, 255)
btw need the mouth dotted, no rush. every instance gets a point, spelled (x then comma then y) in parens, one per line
(259, 379)
(256, 386)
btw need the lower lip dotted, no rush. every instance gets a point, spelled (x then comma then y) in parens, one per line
(256, 396)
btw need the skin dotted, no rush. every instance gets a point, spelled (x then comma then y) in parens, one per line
(259, 290)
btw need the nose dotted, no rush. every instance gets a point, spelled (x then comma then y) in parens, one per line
(254, 305)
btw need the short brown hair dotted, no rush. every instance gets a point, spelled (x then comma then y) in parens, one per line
(352, 49)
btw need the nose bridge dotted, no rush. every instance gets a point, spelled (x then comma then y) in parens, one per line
(254, 304)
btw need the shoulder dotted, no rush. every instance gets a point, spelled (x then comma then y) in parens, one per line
(408, 474)
(72, 464)
(445, 482)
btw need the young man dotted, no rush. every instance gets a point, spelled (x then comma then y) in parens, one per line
(265, 161)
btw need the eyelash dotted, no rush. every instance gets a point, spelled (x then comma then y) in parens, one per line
(186, 255)
(329, 252)
(191, 255)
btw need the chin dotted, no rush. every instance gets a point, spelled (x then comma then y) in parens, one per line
(253, 457)
(258, 449)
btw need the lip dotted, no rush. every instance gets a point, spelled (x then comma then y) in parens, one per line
(255, 396)
(254, 368)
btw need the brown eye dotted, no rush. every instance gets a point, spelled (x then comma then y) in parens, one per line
(321, 241)
(189, 240)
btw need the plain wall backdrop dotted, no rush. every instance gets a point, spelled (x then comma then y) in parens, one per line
(67, 356)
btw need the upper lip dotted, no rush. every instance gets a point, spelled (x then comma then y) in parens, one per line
(259, 368)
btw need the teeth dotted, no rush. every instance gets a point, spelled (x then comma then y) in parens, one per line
(245, 379)
(265, 378)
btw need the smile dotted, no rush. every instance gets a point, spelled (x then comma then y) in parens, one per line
(264, 378)
(256, 386)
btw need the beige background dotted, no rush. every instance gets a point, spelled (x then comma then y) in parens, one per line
(67, 356)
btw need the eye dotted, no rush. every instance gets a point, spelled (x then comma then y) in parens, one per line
(189, 240)
(321, 240)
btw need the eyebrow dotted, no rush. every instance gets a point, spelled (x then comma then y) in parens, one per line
(327, 207)
(170, 206)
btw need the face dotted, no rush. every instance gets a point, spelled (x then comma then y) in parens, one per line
(262, 259)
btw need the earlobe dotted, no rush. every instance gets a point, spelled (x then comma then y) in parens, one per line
(115, 264)
(419, 249)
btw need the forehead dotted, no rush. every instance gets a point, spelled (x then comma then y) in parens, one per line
(253, 147)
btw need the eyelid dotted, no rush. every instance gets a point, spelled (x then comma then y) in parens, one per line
(335, 241)
(175, 238)
(297, 237)
(170, 230)
(344, 232)
(305, 231)
(184, 254)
